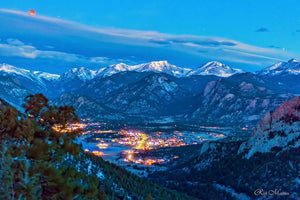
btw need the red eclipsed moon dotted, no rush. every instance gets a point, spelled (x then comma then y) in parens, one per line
(32, 12)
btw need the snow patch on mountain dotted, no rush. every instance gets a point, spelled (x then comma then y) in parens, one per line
(215, 68)
(81, 73)
(46, 76)
(290, 67)
(210, 68)
(113, 69)
(9, 70)
(85, 74)
(155, 66)
(162, 67)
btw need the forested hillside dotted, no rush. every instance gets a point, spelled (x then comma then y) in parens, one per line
(39, 158)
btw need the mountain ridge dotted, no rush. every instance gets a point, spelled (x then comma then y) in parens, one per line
(147, 93)
(210, 68)
(215, 68)
(85, 74)
(290, 67)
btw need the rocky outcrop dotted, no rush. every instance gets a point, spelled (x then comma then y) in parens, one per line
(279, 128)
(238, 103)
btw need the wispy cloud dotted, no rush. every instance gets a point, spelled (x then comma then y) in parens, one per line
(99, 59)
(262, 29)
(274, 47)
(211, 42)
(159, 41)
(92, 45)
(15, 42)
(40, 17)
(16, 48)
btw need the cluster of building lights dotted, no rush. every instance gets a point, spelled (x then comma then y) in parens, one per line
(210, 127)
(98, 153)
(148, 161)
(142, 141)
(102, 145)
(137, 140)
(69, 127)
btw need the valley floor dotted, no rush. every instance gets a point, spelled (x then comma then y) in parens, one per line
(144, 149)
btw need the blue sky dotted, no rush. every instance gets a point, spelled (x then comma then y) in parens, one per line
(245, 34)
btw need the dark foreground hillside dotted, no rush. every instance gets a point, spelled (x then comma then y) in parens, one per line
(266, 166)
(39, 159)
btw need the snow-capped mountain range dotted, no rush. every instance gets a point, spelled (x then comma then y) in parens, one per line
(163, 66)
(124, 88)
(155, 66)
(84, 74)
(6, 69)
(211, 68)
(290, 67)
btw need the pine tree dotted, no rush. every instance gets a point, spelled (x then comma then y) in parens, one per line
(31, 151)
(148, 197)
(101, 194)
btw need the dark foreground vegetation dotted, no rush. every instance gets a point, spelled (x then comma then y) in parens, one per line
(202, 175)
(38, 161)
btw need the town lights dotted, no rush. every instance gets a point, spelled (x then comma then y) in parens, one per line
(98, 153)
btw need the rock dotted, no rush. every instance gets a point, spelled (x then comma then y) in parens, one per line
(279, 128)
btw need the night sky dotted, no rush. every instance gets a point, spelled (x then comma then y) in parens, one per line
(65, 34)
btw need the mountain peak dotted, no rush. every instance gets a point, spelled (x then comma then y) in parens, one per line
(113, 69)
(15, 71)
(155, 65)
(82, 73)
(160, 63)
(11, 69)
(215, 68)
(79, 69)
(162, 67)
(31, 79)
(46, 75)
(290, 67)
(292, 60)
(120, 66)
(216, 63)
